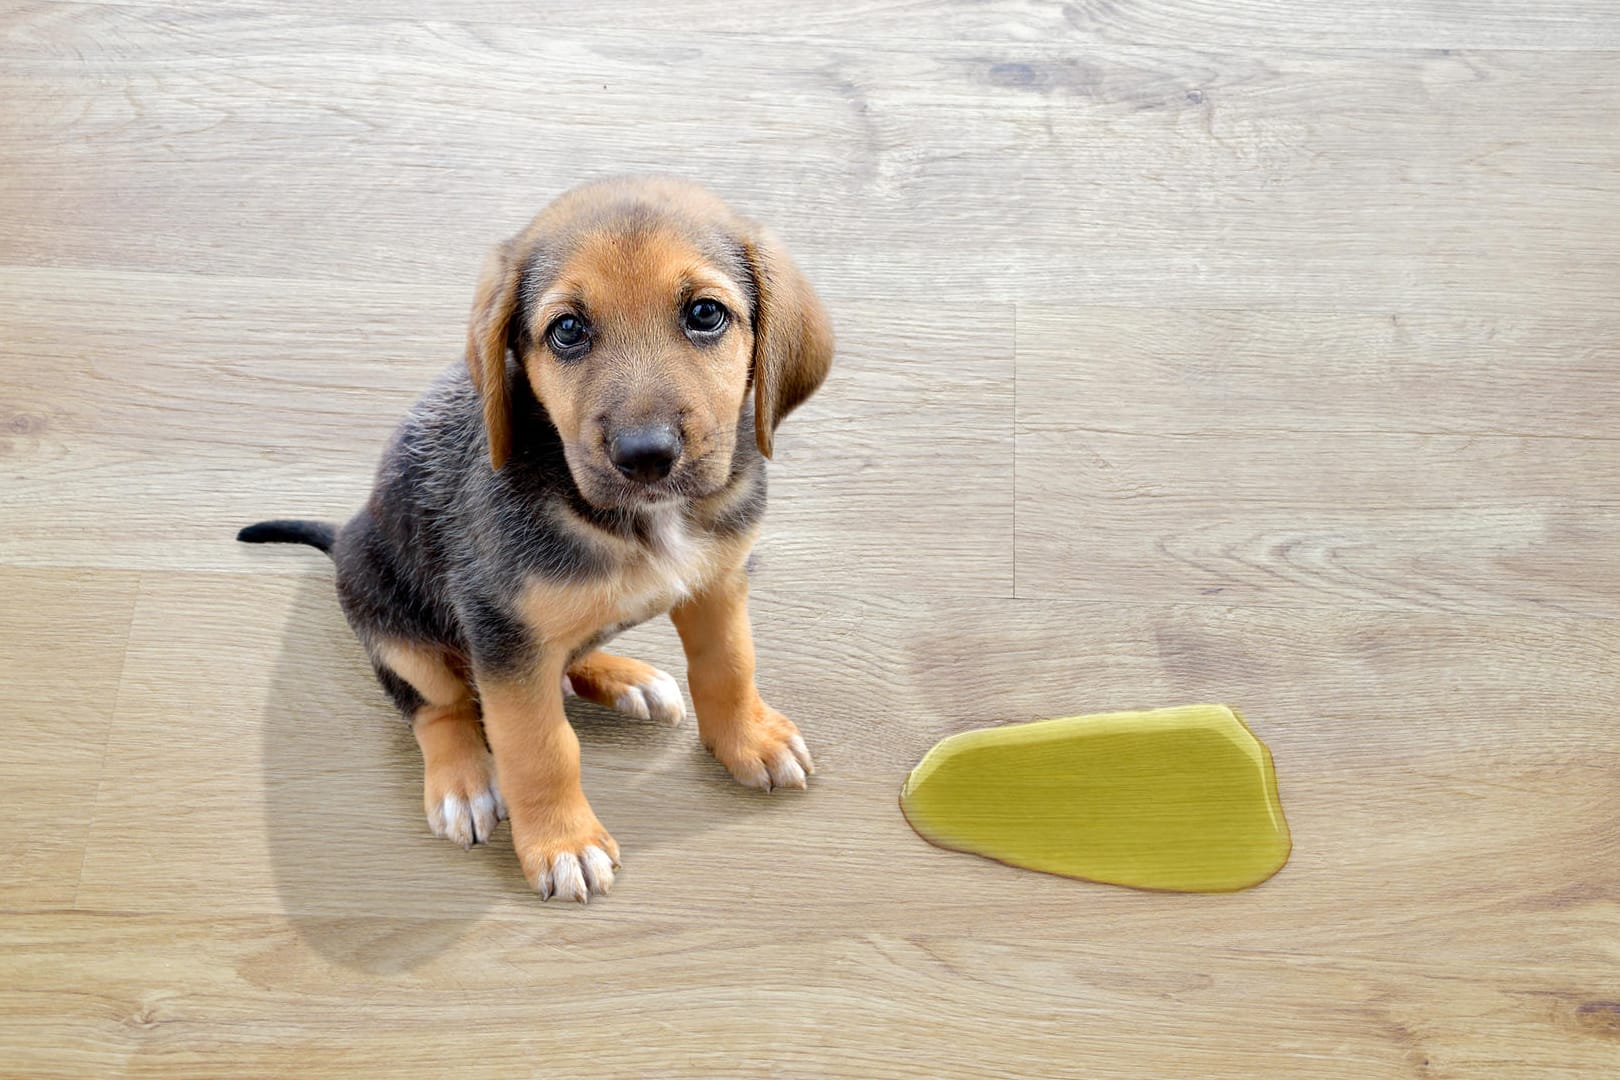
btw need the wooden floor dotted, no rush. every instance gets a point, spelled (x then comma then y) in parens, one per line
(1256, 352)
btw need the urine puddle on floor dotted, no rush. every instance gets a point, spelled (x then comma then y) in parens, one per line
(1182, 799)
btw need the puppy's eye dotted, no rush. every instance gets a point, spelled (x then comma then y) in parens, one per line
(705, 316)
(567, 333)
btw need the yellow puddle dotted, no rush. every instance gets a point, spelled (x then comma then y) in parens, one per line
(1181, 799)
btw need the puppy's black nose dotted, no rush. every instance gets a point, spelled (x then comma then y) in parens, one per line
(645, 454)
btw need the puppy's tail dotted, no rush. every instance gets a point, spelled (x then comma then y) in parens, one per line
(319, 534)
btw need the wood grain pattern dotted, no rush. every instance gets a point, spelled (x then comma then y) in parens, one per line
(296, 777)
(1103, 173)
(1344, 24)
(1430, 462)
(53, 624)
(1248, 352)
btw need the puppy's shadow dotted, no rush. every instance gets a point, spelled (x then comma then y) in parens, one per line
(359, 876)
(653, 786)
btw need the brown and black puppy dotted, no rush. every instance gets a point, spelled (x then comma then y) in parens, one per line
(599, 461)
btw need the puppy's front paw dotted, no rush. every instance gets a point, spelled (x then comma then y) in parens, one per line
(763, 751)
(466, 820)
(461, 799)
(571, 861)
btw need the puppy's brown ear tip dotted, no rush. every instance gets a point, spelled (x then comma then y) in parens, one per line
(498, 437)
(793, 339)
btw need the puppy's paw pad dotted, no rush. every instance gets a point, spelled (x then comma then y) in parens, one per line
(656, 698)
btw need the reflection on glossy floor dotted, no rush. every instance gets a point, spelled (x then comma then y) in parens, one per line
(1256, 353)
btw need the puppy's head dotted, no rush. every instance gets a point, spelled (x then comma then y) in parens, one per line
(645, 315)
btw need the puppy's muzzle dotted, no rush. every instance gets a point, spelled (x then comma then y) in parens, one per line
(645, 454)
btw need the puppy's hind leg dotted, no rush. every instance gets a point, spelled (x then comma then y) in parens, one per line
(458, 775)
(630, 686)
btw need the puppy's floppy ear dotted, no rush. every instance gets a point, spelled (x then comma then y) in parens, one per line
(793, 341)
(488, 334)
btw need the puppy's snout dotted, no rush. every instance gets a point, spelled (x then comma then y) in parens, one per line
(645, 454)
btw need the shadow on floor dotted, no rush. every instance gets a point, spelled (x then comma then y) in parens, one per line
(360, 877)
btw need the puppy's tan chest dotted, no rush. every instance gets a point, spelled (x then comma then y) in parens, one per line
(674, 562)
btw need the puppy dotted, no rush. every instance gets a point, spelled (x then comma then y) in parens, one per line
(599, 461)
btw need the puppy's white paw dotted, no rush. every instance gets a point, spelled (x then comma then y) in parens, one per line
(578, 878)
(789, 768)
(657, 697)
(765, 751)
(467, 819)
(575, 876)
